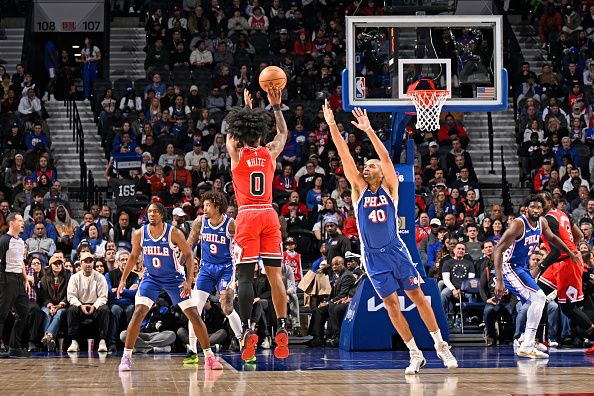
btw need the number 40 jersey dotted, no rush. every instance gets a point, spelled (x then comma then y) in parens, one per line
(377, 220)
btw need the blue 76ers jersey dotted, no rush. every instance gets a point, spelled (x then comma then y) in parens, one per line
(520, 251)
(216, 242)
(161, 257)
(376, 218)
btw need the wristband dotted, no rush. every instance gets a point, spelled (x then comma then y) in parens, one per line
(331, 123)
(366, 129)
(276, 107)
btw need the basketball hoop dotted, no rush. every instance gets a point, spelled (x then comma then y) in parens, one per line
(428, 104)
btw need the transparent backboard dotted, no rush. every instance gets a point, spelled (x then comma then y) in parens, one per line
(462, 54)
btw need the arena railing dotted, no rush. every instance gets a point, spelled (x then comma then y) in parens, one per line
(89, 192)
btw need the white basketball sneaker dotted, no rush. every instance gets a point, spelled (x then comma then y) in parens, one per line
(532, 352)
(444, 353)
(417, 360)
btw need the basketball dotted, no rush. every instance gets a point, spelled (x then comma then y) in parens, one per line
(272, 77)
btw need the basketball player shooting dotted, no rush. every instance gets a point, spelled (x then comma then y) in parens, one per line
(386, 257)
(257, 231)
(158, 242)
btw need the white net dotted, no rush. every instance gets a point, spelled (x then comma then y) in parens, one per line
(428, 104)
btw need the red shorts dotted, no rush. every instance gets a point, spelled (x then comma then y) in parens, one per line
(257, 234)
(566, 277)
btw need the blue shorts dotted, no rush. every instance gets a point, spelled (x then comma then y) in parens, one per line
(213, 276)
(150, 288)
(519, 281)
(391, 268)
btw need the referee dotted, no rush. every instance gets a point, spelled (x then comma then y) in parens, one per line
(13, 283)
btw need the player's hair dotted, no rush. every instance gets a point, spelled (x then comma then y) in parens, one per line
(533, 198)
(547, 196)
(217, 199)
(160, 208)
(248, 125)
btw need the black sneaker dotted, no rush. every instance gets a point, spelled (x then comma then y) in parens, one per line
(32, 347)
(18, 352)
(234, 347)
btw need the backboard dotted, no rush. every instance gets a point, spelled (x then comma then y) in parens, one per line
(462, 54)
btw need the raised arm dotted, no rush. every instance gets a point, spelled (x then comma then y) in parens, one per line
(390, 176)
(195, 232)
(132, 260)
(232, 149)
(282, 132)
(348, 163)
(514, 231)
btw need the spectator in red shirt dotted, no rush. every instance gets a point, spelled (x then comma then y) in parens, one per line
(294, 197)
(179, 173)
(302, 45)
(335, 100)
(450, 130)
(542, 175)
(422, 229)
(284, 183)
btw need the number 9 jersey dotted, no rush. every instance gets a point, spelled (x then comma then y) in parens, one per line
(258, 229)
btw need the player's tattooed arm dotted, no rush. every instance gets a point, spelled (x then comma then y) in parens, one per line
(179, 239)
(282, 131)
(194, 236)
(233, 149)
(555, 240)
(513, 232)
(231, 227)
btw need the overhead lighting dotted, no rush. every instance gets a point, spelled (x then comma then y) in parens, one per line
(76, 46)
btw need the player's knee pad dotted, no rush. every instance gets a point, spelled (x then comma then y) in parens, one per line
(539, 299)
(200, 297)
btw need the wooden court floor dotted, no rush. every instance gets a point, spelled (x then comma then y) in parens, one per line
(165, 375)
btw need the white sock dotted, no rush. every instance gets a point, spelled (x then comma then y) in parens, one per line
(412, 345)
(529, 337)
(207, 352)
(128, 352)
(235, 323)
(192, 338)
(436, 336)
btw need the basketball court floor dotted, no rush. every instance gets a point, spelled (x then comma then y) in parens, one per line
(308, 371)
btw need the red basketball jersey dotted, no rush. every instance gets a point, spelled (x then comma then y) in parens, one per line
(565, 232)
(253, 176)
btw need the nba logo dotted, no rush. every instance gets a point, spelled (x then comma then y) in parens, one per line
(359, 87)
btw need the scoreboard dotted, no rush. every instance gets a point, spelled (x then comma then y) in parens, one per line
(67, 16)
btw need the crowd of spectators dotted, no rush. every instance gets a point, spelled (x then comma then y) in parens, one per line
(199, 61)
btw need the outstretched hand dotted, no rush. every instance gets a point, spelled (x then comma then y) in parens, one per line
(247, 98)
(328, 113)
(274, 96)
(362, 120)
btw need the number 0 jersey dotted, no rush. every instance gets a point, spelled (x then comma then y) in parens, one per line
(216, 242)
(253, 175)
(161, 258)
(376, 215)
(520, 251)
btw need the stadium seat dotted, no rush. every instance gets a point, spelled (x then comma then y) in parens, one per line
(120, 86)
(470, 287)
(140, 85)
